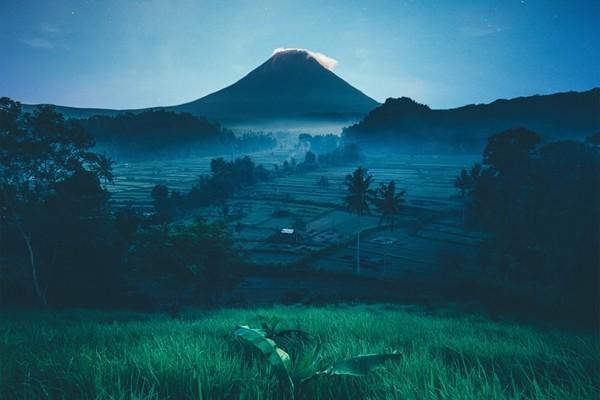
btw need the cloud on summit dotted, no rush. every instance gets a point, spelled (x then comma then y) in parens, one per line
(321, 58)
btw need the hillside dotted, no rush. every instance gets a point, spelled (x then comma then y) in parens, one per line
(402, 121)
(156, 133)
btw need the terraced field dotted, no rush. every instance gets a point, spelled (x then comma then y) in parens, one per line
(133, 181)
(428, 180)
(429, 233)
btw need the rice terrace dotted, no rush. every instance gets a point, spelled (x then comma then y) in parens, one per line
(407, 207)
(268, 207)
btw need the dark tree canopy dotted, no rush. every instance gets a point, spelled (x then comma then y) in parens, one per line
(50, 182)
(510, 150)
(389, 201)
(360, 195)
(198, 256)
(543, 205)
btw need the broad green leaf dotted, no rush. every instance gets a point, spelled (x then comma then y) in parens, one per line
(360, 365)
(255, 337)
(280, 356)
(279, 359)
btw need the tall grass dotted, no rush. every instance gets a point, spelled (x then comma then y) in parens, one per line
(95, 355)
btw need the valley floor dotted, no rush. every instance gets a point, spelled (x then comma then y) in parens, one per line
(121, 355)
(429, 235)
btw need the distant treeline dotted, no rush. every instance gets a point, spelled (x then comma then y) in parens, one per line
(542, 204)
(318, 143)
(404, 123)
(160, 133)
(224, 180)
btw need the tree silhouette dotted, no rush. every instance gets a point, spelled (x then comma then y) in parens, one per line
(509, 151)
(465, 182)
(358, 199)
(162, 205)
(199, 255)
(462, 182)
(389, 202)
(541, 203)
(310, 158)
(510, 154)
(42, 156)
(323, 181)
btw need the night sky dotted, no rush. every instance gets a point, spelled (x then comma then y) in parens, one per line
(130, 54)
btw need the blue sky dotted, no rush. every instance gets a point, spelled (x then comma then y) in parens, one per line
(130, 54)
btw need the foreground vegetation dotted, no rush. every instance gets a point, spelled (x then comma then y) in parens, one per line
(118, 355)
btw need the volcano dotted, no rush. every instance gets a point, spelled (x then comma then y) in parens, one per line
(290, 84)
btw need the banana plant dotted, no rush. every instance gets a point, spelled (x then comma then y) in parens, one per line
(286, 337)
(277, 357)
(281, 362)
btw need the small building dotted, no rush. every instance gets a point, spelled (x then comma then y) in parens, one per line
(289, 235)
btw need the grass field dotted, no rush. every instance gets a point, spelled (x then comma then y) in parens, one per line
(95, 355)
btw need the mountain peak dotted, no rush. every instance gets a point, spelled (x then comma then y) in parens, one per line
(290, 53)
(292, 83)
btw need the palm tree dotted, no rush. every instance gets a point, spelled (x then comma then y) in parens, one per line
(463, 182)
(389, 202)
(357, 200)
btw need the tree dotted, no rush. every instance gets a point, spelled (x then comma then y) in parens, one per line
(511, 150)
(510, 155)
(465, 182)
(39, 154)
(80, 253)
(323, 181)
(389, 202)
(358, 199)
(310, 158)
(225, 179)
(542, 206)
(162, 205)
(198, 256)
(261, 173)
